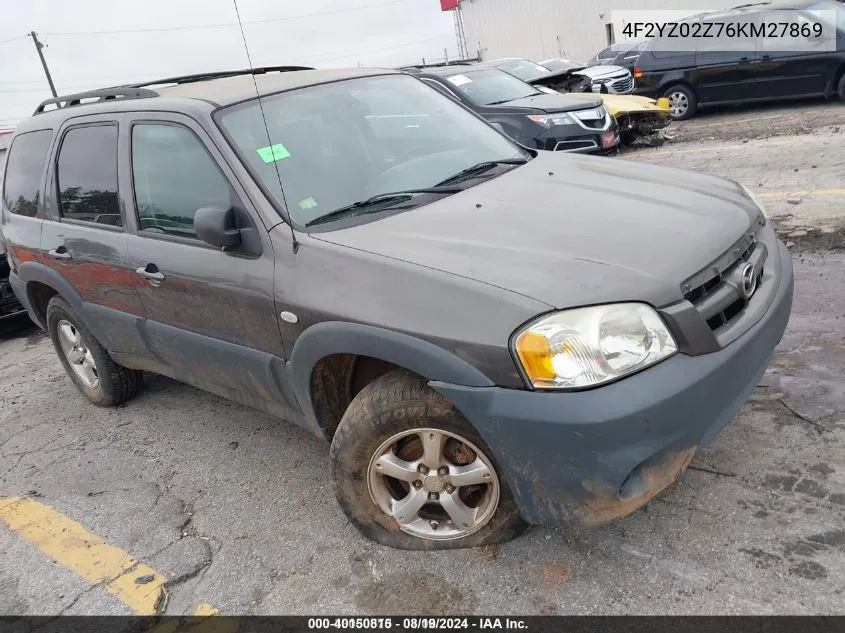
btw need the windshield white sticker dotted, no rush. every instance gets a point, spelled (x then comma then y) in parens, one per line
(460, 80)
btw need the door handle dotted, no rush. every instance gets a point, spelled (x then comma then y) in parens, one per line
(153, 275)
(59, 253)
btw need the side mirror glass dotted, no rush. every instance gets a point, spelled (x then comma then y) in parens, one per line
(217, 226)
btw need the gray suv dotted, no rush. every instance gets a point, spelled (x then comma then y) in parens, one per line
(489, 336)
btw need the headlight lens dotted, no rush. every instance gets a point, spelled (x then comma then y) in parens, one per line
(586, 347)
(755, 201)
(551, 120)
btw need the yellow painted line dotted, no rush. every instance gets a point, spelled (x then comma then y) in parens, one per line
(70, 544)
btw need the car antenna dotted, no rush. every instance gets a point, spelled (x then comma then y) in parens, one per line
(266, 128)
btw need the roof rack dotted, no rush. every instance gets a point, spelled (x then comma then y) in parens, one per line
(140, 91)
(103, 94)
(187, 79)
(460, 62)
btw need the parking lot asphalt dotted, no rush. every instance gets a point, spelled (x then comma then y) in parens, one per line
(182, 502)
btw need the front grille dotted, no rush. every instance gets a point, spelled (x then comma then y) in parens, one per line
(595, 119)
(721, 293)
(625, 84)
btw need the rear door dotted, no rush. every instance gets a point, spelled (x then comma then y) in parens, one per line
(211, 318)
(84, 234)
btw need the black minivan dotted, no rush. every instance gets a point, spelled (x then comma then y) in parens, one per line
(706, 74)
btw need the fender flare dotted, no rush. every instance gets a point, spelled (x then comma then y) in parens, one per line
(414, 354)
(37, 272)
(29, 272)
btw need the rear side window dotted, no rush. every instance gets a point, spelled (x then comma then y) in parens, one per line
(25, 166)
(87, 175)
(174, 177)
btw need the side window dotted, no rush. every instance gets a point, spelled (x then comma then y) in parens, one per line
(86, 174)
(174, 177)
(21, 191)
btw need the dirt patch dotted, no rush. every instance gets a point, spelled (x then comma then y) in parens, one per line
(738, 123)
(810, 239)
(414, 594)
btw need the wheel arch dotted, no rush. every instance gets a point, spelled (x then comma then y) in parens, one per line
(332, 361)
(42, 284)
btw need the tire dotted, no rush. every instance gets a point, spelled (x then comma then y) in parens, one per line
(684, 96)
(402, 403)
(840, 88)
(113, 383)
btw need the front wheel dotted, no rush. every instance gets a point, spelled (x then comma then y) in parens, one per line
(683, 102)
(410, 472)
(840, 89)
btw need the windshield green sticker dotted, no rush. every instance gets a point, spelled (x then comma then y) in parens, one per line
(308, 203)
(272, 153)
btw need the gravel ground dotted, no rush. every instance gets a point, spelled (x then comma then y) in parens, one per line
(236, 509)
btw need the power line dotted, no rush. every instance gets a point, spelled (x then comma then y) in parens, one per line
(14, 39)
(228, 24)
(125, 79)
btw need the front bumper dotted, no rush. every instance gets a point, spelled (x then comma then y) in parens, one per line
(593, 456)
(574, 139)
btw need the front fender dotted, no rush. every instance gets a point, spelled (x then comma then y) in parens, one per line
(334, 337)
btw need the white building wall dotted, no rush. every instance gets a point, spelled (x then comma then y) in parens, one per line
(542, 29)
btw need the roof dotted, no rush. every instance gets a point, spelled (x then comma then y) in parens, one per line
(194, 96)
(229, 90)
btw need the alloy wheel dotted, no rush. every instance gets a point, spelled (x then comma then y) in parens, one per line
(678, 103)
(77, 354)
(436, 485)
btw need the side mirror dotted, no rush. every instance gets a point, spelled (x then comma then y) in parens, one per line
(216, 226)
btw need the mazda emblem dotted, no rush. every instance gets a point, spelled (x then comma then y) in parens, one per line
(749, 281)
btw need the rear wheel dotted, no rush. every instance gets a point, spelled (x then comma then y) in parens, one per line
(410, 472)
(683, 103)
(86, 362)
(840, 89)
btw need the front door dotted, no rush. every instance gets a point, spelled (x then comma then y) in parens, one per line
(795, 65)
(84, 232)
(724, 67)
(211, 317)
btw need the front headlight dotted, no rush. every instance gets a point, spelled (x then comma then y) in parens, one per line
(755, 201)
(585, 347)
(551, 120)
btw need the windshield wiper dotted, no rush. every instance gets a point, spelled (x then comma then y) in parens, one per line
(379, 202)
(479, 168)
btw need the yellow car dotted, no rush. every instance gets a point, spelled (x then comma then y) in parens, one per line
(637, 116)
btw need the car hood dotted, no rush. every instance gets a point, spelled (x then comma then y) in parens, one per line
(626, 104)
(570, 230)
(555, 102)
(602, 72)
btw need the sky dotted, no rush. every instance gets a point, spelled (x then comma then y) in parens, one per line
(97, 43)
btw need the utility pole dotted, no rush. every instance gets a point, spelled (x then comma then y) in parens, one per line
(38, 47)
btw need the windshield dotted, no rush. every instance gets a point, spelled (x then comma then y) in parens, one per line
(524, 69)
(827, 5)
(340, 143)
(488, 87)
